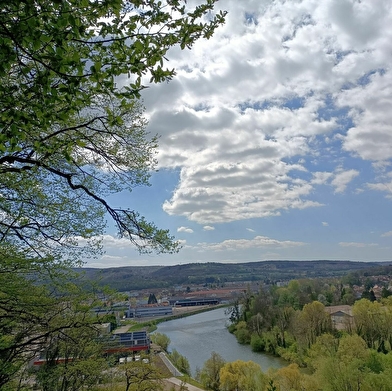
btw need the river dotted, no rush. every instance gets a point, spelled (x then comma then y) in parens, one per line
(196, 336)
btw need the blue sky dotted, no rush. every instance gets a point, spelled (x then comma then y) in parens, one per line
(276, 138)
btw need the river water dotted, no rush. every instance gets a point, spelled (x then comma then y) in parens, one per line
(196, 336)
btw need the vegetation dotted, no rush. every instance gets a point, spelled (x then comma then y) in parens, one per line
(209, 375)
(219, 274)
(180, 362)
(139, 376)
(288, 322)
(72, 132)
(241, 375)
(161, 340)
(52, 319)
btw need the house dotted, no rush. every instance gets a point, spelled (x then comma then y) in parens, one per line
(341, 316)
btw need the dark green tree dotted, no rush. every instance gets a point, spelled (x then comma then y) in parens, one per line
(152, 299)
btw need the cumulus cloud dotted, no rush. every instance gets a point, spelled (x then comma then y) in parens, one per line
(250, 230)
(208, 228)
(386, 234)
(280, 85)
(185, 229)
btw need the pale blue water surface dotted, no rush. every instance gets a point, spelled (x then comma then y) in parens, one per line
(196, 336)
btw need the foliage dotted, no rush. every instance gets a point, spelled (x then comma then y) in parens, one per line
(161, 339)
(242, 376)
(311, 322)
(71, 128)
(180, 362)
(257, 343)
(373, 322)
(42, 311)
(82, 366)
(72, 132)
(209, 375)
(139, 376)
(242, 333)
(148, 277)
(152, 299)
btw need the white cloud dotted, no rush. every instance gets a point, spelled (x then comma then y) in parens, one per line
(208, 228)
(342, 179)
(384, 185)
(386, 234)
(371, 136)
(242, 244)
(185, 229)
(250, 230)
(252, 107)
(321, 178)
(357, 244)
(325, 224)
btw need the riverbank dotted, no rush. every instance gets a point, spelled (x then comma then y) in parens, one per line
(197, 336)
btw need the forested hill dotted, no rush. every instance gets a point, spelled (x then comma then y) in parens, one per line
(143, 277)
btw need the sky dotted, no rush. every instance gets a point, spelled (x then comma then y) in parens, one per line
(275, 139)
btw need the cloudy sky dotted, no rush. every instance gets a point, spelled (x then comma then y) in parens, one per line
(276, 138)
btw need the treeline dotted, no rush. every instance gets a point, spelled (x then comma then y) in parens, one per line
(267, 272)
(336, 364)
(294, 323)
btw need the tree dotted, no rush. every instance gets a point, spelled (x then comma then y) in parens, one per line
(161, 339)
(209, 374)
(289, 378)
(41, 311)
(180, 362)
(312, 322)
(74, 360)
(373, 323)
(152, 299)
(71, 127)
(284, 317)
(242, 376)
(242, 333)
(347, 369)
(139, 376)
(72, 132)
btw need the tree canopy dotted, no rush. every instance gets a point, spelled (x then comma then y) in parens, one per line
(72, 129)
(72, 132)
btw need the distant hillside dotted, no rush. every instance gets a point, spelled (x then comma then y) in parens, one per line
(144, 277)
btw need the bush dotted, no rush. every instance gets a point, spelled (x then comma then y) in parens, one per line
(257, 343)
(161, 339)
(231, 328)
(242, 333)
(180, 362)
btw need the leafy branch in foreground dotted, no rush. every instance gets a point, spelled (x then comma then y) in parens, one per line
(71, 127)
